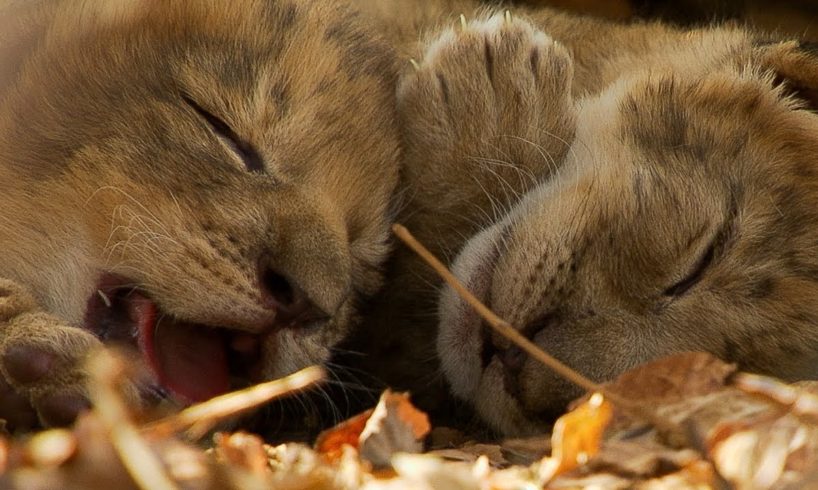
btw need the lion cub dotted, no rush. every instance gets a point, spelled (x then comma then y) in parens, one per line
(668, 200)
(209, 182)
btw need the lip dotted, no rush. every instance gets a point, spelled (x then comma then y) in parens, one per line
(188, 361)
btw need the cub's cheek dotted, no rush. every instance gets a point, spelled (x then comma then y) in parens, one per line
(458, 350)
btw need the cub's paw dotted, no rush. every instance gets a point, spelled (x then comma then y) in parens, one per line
(493, 88)
(42, 363)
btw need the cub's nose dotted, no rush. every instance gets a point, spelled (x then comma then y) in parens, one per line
(293, 307)
(512, 360)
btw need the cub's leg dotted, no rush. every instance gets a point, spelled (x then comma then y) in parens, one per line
(487, 112)
(41, 361)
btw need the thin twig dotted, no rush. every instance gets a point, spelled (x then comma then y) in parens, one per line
(198, 419)
(669, 428)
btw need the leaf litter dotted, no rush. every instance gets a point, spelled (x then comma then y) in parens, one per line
(684, 421)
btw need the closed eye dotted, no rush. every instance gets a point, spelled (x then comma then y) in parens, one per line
(695, 274)
(246, 152)
(719, 245)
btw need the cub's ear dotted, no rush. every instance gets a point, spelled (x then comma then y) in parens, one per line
(796, 67)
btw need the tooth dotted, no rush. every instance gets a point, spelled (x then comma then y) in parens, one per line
(105, 298)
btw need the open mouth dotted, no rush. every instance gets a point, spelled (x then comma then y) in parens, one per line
(190, 361)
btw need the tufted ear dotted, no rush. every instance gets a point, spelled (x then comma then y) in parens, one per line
(796, 67)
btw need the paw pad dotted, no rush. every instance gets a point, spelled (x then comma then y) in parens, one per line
(27, 364)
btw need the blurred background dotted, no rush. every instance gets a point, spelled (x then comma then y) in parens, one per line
(794, 17)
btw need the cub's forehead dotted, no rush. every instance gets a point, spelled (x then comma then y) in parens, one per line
(323, 36)
(252, 20)
(705, 121)
(245, 48)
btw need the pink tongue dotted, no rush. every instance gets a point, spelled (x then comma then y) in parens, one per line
(189, 360)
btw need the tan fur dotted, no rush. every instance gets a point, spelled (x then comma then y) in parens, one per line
(672, 143)
(104, 168)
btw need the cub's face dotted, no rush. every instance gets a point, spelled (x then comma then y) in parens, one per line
(683, 219)
(209, 181)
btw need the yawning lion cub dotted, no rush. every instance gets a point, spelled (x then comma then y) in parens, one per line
(206, 181)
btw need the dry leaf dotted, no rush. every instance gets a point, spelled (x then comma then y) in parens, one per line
(525, 451)
(673, 378)
(331, 442)
(446, 438)
(471, 452)
(242, 450)
(395, 426)
(759, 433)
(641, 459)
(577, 437)
(766, 452)
(423, 472)
(798, 398)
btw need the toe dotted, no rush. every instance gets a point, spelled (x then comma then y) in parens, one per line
(61, 409)
(15, 409)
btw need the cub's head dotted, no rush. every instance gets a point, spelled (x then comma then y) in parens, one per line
(684, 218)
(209, 181)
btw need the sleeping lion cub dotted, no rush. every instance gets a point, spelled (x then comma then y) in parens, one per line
(669, 200)
(206, 181)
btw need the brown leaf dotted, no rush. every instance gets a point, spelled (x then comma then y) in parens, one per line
(673, 378)
(671, 388)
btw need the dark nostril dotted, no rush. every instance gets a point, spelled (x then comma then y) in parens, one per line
(292, 305)
(277, 290)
